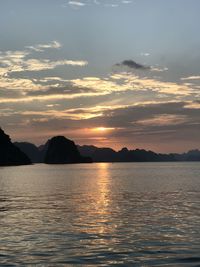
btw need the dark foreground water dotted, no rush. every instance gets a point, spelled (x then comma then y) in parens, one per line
(132, 214)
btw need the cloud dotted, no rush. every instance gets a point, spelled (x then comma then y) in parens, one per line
(119, 82)
(132, 65)
(191, 78)
(46, 64)
(68, 89)
(13, 65)
(42, 47)
(145, 54)
(193, 105)
(105, 3)
(76, 4)
(111, 5)
(126, 2)
(49, 88)
(159, 69)
(164, 120)
(17, 61)
(26, 98)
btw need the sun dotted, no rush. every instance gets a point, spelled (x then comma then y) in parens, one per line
(102, 129)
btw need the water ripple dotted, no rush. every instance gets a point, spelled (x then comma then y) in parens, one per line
(100, 214)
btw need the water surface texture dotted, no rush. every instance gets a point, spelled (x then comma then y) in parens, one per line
(125, 214)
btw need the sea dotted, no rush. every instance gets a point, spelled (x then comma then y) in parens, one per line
(100, 214)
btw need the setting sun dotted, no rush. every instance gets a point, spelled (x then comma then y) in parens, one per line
(102, 129)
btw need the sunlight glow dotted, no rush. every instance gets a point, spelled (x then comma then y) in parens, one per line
(103, 129)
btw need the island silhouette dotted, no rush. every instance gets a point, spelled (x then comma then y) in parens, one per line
(60, 150)
(11, 155)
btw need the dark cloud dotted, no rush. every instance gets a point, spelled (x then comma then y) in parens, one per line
(59, 90)
(129, 116)
(10, 93)
(132, 65)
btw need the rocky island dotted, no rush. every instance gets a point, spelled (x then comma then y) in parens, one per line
(10, 155)
(60, 150)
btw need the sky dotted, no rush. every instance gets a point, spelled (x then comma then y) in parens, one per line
(117, 73)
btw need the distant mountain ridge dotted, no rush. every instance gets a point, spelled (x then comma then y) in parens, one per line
(60, 150)
(109, 155)
(137, 155)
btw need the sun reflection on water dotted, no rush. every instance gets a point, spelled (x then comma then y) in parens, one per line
(96, 208)
(103, 183)
(103, 197)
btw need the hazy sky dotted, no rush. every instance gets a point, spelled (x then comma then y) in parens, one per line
(104, 72)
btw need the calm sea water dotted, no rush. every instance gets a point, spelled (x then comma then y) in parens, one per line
(125, 214)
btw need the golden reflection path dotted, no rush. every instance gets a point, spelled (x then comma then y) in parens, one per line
(96, 219)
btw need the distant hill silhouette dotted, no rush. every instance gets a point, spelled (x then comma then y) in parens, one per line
(61, 150)
(98, 154)
(124, 155)
(137, 155)
(10, 155)
(31, 151)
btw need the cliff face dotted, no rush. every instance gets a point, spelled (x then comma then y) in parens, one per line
(10, 155)
(61, 150)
